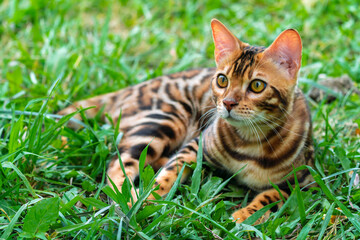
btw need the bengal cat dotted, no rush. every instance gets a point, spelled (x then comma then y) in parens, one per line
(259, 119)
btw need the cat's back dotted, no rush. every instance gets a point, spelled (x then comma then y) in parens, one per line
(183, 95)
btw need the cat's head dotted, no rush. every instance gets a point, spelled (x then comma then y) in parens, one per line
(254, 83)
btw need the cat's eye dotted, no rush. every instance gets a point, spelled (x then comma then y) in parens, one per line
(257, 86)
(222, 81)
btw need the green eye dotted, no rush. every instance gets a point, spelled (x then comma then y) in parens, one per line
(222, 81)
(257, 86)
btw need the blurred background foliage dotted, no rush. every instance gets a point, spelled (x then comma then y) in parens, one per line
(101, 46)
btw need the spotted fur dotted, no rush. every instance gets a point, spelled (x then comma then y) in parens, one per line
(266, 133)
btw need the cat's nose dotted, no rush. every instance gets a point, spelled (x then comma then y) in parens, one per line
(229, 104)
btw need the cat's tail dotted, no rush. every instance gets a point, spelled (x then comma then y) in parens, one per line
(95, 104)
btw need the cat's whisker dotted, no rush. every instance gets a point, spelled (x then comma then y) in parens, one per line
(270, 121)
(267, 120)
(208, 111)
(257, 135)
(286, 113)
(278, 125)
(211, 115)
(212, 118)
(272, 128)
(277, 119)
(208, 123)
(207, 107)
(266, 139)
(258, 139)
(206, 114)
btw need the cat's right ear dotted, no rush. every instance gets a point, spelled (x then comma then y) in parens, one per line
(286, 51)
(225, 42)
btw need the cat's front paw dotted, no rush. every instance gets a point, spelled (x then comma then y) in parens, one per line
(244, 213)
(160, 192)
(151, 197)
(164, 186)
(241, 215)
(134, 194)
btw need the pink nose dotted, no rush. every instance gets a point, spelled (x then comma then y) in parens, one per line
(229, 104)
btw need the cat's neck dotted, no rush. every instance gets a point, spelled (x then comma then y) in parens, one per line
(257, 129)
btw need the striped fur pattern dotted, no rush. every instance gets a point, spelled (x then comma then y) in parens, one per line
(253, 115)
(164, 112)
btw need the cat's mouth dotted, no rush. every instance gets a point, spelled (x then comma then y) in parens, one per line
(232, 117)
(241, 119)
(236, 116)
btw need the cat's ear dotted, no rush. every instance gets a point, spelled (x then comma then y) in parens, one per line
(286, 51)
(225, 42)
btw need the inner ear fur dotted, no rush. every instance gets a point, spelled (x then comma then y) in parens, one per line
(286, 51)
(225, 42)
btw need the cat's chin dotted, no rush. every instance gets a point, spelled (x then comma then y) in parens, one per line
(236, 121)
(242, 122)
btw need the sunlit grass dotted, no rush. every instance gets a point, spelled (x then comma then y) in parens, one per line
(56, 52)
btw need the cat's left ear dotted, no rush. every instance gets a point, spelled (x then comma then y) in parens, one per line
(225, 42)
(286, 51)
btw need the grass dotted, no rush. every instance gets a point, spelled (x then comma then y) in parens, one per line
(52, 178)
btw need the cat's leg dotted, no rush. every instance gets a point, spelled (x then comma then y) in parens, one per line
(117, 175)
(261, 200)
(159, 163)
(168, 175)
(129, 156)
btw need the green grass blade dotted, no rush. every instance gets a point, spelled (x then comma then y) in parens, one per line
(252, 219)
(104, 31)
(13, 221)
(142, 161)
(21, 175)
(175, 186)
(306, 229)
(116, 195)
(118, 235)
(147, 211)
(93, 202)
(158, 220)
(352, 182)
(326, 221)
(200, 215)
(117, 128)
(248, 228)
(300, 200)
(124, 172)
(146, 193)
(221, 186)
(346, 211)
(285, 206)
(75, 227)
(196, 177)
(14, 136)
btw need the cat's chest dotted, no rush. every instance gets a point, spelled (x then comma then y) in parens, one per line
(224, 150)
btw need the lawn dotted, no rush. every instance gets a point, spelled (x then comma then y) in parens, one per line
(52, 178)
